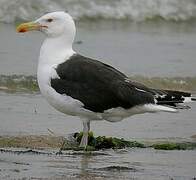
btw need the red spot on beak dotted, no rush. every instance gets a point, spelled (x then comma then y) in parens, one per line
(22, 30)
(29, 26)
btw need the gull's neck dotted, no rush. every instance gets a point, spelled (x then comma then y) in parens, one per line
(56, 50)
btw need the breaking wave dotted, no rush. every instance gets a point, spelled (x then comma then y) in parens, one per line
(134, 10)
(28, 84)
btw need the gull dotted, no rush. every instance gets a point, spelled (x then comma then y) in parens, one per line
(81, 86)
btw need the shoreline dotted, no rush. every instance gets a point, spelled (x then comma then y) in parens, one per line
(50, 142)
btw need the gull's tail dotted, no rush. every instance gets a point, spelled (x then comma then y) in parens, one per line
(172, 99)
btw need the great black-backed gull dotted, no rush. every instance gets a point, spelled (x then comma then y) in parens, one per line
(84, 87)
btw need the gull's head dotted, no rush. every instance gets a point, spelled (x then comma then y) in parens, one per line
(53, 24)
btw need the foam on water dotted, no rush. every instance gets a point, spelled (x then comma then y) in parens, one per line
(178, 10)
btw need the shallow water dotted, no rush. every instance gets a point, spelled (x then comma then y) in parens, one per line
(120, 164)
(148, 49)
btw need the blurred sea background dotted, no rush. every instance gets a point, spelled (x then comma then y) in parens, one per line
(145, 38)
(130, 10)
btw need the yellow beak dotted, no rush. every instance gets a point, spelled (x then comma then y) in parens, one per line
(29, 26)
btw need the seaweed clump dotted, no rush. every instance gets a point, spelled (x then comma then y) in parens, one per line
(102, 142)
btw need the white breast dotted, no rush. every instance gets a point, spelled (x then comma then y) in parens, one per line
(63, 103)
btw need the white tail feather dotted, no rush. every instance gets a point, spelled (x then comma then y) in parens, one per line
(158, 108)
(189, 99)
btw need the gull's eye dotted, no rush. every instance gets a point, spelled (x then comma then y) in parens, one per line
(49, 20)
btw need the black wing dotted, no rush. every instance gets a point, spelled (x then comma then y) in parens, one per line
(97, 85)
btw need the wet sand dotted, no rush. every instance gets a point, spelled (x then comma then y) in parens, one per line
(24, 114)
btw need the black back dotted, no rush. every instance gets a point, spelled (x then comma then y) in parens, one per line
(97, 85)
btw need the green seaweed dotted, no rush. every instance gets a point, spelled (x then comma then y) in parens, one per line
(102, 142)
(175, 146)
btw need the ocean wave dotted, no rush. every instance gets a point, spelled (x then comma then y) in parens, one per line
(134, 10)
(18, 83)
(28, 84)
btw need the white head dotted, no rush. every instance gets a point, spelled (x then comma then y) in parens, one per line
(53, 24)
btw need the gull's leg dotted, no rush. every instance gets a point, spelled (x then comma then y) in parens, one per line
(86, 129)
